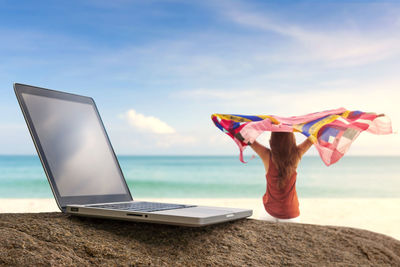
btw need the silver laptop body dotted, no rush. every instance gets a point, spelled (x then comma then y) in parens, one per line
(83, 170)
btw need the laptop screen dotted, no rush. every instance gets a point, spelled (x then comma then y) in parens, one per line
(75, 146)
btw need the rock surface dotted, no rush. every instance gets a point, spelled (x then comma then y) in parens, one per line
(59, 239)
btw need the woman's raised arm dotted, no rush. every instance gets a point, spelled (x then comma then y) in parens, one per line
(303, 147)
(262, 152)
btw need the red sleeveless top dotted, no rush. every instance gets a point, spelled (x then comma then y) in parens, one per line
(280, 203)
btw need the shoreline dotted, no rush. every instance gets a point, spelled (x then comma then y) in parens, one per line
(373, 214)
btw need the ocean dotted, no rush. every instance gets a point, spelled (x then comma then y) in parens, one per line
(219, 177)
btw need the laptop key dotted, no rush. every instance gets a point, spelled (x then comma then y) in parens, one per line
(142, 206)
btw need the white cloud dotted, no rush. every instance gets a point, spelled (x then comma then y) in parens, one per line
(147, 123)
(154, 135)
(377, 95)
(340, 48)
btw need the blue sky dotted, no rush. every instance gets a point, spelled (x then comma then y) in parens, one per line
(159, 69)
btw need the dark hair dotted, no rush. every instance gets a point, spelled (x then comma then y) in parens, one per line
(285, 153)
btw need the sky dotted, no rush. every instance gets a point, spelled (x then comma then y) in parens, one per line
(158, 69)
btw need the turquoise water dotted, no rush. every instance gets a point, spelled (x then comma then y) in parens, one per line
(218, 177)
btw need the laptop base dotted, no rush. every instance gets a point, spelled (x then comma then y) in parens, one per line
(192, 217)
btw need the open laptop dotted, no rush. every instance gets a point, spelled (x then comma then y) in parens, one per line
(83, 170)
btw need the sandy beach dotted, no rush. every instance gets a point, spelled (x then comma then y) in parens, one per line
(373, 214)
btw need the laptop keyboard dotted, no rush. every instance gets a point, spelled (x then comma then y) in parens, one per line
(142, 206)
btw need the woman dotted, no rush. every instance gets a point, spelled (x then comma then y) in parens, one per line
(280, 162)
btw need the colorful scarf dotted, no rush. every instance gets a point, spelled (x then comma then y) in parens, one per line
(331, 131)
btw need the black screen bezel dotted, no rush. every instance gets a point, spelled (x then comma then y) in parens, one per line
(62, 202)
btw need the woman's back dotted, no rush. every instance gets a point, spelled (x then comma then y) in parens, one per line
(280, 162)
(281, 200)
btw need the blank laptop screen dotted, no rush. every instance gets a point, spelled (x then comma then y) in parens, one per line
(75, 146)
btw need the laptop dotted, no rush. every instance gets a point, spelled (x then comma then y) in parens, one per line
(83, 170)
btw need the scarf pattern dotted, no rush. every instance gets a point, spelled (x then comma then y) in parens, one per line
(332, 131)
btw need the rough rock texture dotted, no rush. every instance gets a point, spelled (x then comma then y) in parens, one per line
(60, 239)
